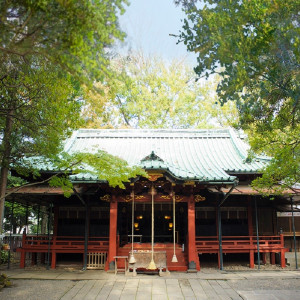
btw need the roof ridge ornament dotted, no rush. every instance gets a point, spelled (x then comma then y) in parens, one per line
(152, 157)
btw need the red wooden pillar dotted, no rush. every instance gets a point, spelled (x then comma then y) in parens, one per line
(112, 249)
(55, 228)
(53, 260)
(217, 230)
(252, 259)
(282, 259)
(250, 220)
(273, 258)
(282, 252)
(53, 253)
(23, 253)
(193, 258)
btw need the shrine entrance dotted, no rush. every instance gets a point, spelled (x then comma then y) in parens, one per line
(163, 223)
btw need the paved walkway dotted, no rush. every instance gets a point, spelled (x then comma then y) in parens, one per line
(207, 284)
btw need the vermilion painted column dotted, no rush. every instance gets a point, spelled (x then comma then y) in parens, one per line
(53, 260)
(252, 259)
(282, 252)
(23, 253)
(217, 231)
(194, 264)
(273, 258)
(112, 250)
(282, 259)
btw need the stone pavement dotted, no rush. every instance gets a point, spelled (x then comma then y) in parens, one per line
(207, 284)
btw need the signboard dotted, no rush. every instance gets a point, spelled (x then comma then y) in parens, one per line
(288, 214)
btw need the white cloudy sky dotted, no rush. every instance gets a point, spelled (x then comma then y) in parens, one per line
(148, 24)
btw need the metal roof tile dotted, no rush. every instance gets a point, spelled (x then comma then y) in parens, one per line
(206, 155)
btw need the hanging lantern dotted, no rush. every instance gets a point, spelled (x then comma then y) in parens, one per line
(136, 225)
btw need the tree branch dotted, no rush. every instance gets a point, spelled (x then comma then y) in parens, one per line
(13, 190)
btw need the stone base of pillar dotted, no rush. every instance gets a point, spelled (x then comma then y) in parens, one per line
(191, 271)
(192, 267)
(112, 265)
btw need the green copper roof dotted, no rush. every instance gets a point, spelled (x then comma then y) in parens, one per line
(202, 155)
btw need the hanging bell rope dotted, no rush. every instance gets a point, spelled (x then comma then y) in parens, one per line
(152, 265)
(174, 258)
(132, 259)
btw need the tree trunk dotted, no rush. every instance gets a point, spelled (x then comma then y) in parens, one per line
(5, 163)
(20, 229)
(44, 220)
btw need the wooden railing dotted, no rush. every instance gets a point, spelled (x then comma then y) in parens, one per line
(60, 244)
(244, 244)
(63, 244)
(239, 244)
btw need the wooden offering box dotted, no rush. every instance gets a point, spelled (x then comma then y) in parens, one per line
(143, 259)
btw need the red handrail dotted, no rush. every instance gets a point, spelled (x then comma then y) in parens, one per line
(275, 242)
(57, 243)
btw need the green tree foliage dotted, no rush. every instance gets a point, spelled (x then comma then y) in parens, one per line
(74, 34)
(99, 165)
(48, 48)
(147, 92)
(254, 47)
(38, 109)
(41, 105)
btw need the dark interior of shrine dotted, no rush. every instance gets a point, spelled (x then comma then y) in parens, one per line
(163, 222)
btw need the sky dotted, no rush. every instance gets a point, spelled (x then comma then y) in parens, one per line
(148, 24)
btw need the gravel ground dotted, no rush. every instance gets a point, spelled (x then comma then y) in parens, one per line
(265, 284)
(36, 289)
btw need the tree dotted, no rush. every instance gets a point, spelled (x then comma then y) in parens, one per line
(15, 215)
(48, 48)
(73, 34)
(18, 220)
(35, 102)
(254, 47)
(147, 92)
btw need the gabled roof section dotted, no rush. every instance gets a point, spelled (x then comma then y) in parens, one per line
(151, 157)
(154, 162)
(206, 156)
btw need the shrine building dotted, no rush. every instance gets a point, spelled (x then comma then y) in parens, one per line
(196, 203)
